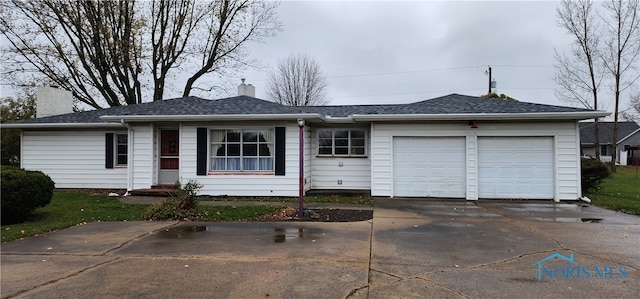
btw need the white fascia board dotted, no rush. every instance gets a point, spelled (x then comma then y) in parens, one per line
(215, 117)
(482, 116)
(60, 125)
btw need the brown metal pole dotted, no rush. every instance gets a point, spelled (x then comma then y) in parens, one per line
(301, 187)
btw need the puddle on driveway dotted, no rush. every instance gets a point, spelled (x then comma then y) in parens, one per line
(544, 208)
(183, 231)
(454, 224)
(567, 219)
(280, 234)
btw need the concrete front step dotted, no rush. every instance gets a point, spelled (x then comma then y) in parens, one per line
(156, 190)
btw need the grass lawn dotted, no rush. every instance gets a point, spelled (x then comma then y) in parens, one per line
(69, 209)
(620, 192)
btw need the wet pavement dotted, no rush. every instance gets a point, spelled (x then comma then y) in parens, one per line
(411, 249)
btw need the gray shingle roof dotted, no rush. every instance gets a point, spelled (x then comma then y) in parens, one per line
(244, 105)
(450, 104)
(605, 131)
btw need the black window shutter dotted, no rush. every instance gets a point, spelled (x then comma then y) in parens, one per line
(108, 150)
(280, 146)
(201, 152)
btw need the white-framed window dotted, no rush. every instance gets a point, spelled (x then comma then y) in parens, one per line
(342, 142)
(121, 149)
(242, 150)
(603, 150)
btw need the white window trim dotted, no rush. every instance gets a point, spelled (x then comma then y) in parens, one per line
(333, 144)
(242, 130)
(115, 150)
(606, 150)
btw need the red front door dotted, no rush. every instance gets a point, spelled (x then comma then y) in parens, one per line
(169, 156)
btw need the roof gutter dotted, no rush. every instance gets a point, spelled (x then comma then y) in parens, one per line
(216, 117)
(482, 116)
(60, 125)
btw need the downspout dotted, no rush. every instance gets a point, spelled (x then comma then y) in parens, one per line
(579, 165)
(129, 155)
(21, 148)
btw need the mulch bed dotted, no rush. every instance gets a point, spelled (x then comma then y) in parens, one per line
(318, 215)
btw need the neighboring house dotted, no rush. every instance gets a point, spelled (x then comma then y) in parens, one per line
(628, 143)
(454, 146)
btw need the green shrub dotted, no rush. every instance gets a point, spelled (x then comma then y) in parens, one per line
(22, 192)
(593, 172)
(183, 206)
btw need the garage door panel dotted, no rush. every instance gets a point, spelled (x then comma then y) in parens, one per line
(515, 167)
(429, 166)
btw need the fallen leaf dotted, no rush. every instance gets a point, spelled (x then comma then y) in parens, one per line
(456, 266)
(186, 266)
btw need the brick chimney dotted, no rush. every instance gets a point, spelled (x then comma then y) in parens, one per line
(246, 89)
(51, 100)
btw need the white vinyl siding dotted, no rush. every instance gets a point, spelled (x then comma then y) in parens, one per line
(238, 184)
(73, 159)
(340, 173)
(141, 161)
(566, 176)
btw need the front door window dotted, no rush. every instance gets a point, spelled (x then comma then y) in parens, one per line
(169, 149)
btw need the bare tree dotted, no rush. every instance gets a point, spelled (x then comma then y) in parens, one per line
(297, 81)
(230, 25)
(620, 54)
(90, 48)
(633, 112)
(578, 75)
(105, 51)
(172, 24)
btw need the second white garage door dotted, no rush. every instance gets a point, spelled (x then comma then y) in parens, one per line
(515, 167)
(429, 166)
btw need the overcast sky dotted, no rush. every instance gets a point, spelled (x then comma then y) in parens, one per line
(387, 52)
(397, 52)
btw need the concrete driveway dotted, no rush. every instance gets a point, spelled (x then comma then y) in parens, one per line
(411, 249)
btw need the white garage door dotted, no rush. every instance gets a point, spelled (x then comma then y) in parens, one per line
(515, 167)
(429, 166)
